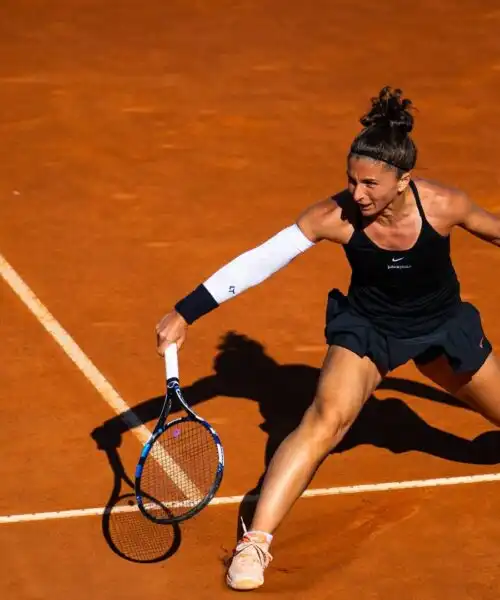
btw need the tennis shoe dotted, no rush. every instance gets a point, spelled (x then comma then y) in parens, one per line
(250, 559)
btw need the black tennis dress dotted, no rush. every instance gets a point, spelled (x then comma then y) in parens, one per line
(405, 305)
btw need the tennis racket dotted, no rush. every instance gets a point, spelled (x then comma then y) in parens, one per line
(180, 468)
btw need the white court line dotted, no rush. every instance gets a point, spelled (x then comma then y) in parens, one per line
(314, 493)
(87, 367)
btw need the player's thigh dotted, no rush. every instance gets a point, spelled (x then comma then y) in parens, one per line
(480, 390)
(345, 384)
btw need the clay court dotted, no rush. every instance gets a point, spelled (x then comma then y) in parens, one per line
(144, 144)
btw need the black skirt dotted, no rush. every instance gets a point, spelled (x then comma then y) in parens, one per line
(460, 339)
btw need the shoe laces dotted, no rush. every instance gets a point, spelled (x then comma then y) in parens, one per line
(246, 544)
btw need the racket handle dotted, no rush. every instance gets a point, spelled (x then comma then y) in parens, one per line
(171, 362)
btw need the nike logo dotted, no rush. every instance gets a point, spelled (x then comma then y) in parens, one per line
(398, 259)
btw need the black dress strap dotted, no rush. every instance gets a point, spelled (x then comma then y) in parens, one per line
(417, 200)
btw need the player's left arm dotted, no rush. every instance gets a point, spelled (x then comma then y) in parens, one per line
(476, 220)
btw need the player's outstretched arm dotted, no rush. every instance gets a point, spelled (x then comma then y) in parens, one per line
(245, 271)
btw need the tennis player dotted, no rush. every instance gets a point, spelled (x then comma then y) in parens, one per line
(403, 304)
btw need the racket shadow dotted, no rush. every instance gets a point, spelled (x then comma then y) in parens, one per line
(127, 532)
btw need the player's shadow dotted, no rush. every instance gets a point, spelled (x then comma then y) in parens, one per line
(126, 531)
(243, 369)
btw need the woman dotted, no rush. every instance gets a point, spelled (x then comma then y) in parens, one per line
(403, 304)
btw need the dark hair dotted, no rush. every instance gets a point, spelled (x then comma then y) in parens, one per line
(385, 136)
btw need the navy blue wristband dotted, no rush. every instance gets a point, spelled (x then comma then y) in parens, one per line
(196, 304)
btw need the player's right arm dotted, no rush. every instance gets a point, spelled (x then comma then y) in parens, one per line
(319, 222)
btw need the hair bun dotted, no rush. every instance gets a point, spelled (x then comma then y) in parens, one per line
(391, 110)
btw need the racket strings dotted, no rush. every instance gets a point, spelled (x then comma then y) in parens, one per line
(181, 468)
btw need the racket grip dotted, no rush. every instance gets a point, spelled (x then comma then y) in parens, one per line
(171, 362)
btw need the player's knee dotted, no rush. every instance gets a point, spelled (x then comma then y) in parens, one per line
(328, 420)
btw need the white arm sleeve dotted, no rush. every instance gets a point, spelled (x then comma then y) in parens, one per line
(256, 265)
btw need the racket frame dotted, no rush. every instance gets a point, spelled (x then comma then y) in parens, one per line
(174, 390)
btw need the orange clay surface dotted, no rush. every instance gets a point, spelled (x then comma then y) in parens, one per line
(144, 144)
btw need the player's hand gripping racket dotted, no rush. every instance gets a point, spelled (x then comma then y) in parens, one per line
(180, 468)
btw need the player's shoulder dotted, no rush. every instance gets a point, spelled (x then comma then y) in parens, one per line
(338, 207)
(439, 199)
(330, 218)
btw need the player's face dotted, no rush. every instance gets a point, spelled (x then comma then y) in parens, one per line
(373, 184)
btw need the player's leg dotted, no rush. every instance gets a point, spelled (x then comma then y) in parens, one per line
(480, 389)
(467, 367)
(345, 383)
